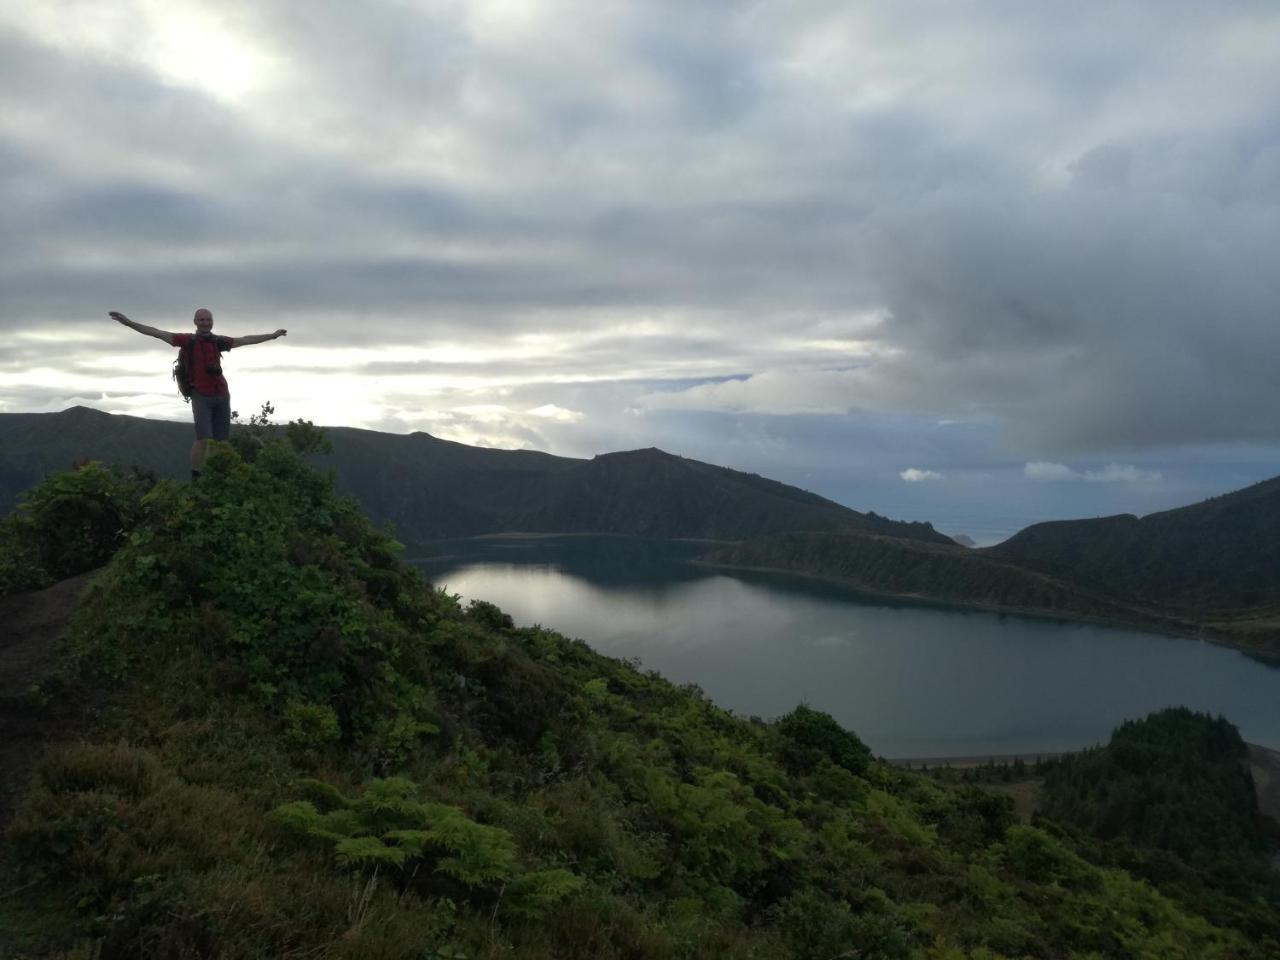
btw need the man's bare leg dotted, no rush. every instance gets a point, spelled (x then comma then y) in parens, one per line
(199, 450)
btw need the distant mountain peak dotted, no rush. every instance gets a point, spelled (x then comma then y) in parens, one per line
(81, 412)
(649, 452)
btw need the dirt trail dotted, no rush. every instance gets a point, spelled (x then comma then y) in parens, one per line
(30, 625)
(1265, 766)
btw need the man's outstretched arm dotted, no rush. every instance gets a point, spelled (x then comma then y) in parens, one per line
(141, 327)
(257, 338)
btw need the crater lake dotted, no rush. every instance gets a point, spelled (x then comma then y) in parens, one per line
(911, 681)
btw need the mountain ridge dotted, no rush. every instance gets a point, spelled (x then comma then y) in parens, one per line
(473, 490)
(1176, 557)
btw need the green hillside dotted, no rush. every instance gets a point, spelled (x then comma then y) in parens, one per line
(433, 489)
(1223, 553)
(1226, 590)
(958, 576)
(300, 749)
(1170, 799)
(34, 445)
(889, 566)
(1176, 781)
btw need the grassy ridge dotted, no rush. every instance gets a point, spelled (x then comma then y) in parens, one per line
(984, 579)
(948, 573)
(1218, 556)
(312, 753)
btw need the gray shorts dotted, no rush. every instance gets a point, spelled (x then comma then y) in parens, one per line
(212, 416)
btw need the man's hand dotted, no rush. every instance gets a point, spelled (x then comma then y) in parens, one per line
(258, 338)
(119, 317)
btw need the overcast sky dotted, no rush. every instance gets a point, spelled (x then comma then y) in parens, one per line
(976, 263)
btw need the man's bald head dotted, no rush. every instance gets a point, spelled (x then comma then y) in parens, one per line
(203, 319)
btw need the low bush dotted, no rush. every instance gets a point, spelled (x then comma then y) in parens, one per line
(69, 524)
(813, 736)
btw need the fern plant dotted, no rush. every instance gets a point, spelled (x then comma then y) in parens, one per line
(388, 827)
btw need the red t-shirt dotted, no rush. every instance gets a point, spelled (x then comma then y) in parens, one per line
(209, 351)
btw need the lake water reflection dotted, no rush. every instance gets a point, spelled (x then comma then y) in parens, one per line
(911, 681)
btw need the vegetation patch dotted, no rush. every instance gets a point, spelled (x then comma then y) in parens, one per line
(313, 753)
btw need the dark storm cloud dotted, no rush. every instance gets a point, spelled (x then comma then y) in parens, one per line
(1093, 319)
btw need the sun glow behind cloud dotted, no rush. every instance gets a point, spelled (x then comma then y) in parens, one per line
(196, 50)
(194, 45)
(549, 411)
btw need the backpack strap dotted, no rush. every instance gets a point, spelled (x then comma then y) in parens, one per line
(191, 350)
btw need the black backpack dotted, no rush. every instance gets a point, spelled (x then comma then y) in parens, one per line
(182, 373)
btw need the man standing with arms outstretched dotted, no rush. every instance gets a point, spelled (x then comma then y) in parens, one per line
(210, 396)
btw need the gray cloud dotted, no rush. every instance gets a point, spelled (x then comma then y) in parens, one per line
(1057, 222)
(1091, 321)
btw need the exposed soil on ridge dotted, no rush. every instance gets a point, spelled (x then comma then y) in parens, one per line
(1264, 764)
(30, 626)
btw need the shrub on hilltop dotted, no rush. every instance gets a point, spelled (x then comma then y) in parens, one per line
(1176, 781)
(71, 523)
